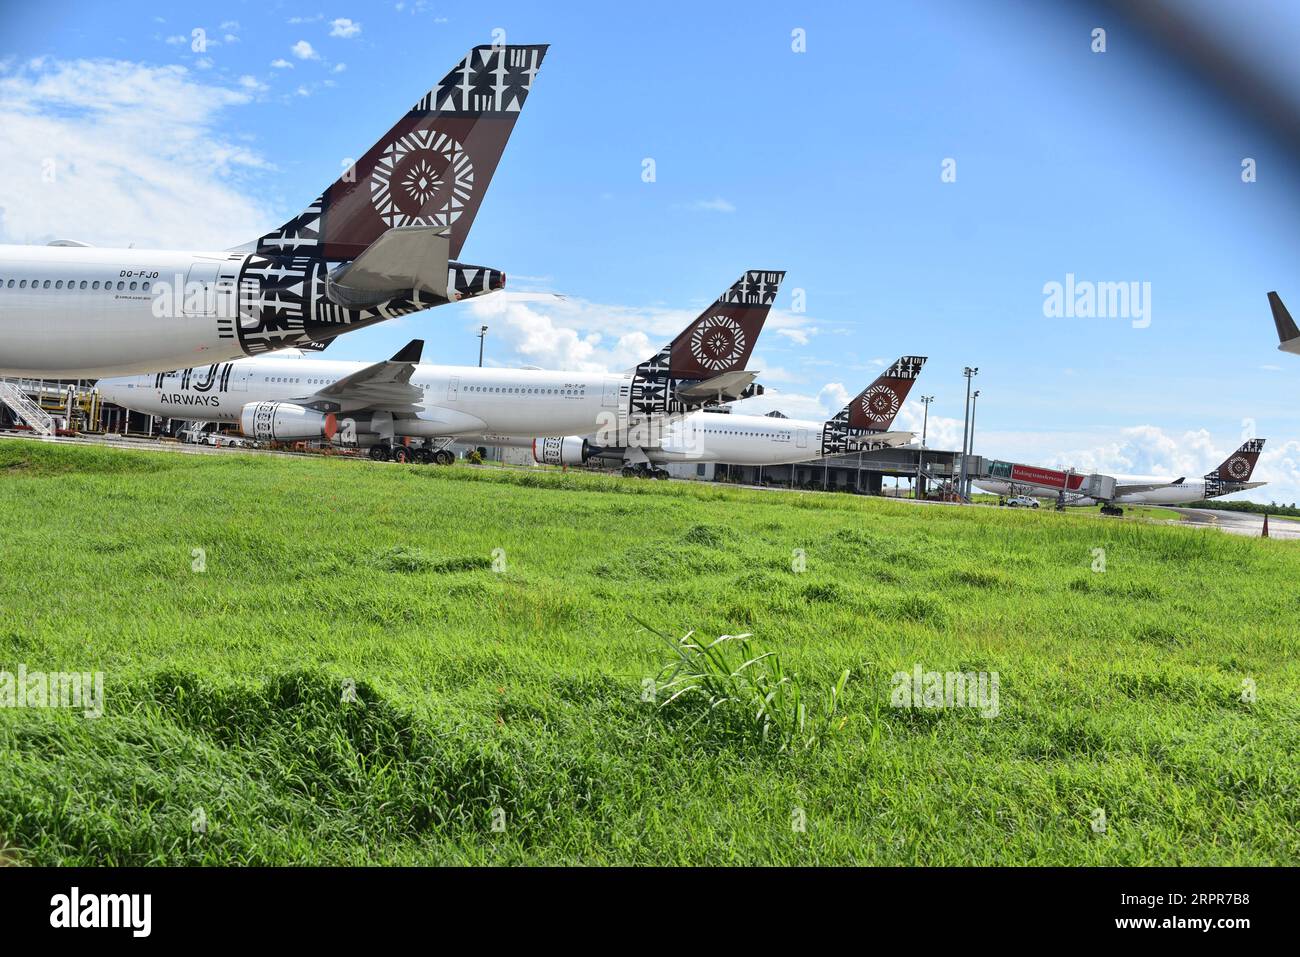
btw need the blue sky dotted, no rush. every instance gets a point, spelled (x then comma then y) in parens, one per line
(824, 163)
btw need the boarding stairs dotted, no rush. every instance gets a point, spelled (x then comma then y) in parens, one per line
(41, 422)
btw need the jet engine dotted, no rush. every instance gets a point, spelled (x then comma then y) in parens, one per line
(569, 450)
(273, 421)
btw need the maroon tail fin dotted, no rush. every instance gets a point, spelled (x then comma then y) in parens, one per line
(1240, 465)
(876, 406)
(723, 337)
(431, 169)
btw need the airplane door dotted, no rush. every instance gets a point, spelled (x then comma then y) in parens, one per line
(238, 381)
(801, 438)
(226, 292)
(200, 290)
(610, 401)
(453, 388)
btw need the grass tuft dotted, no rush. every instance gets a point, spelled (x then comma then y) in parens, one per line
(735, 688)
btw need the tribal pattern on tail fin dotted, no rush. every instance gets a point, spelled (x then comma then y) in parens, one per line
(873, 410)
(431, 169)
(1235, 470)
(721, 339)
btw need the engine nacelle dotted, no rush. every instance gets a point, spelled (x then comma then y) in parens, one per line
(569, 450)
(274, 421)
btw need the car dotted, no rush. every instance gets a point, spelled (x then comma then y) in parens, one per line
(1022, 501)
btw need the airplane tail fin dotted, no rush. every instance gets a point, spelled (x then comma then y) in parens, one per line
(875, 407)
(1240, 465)
(1286, 327)
(431, 169)
(722, 338)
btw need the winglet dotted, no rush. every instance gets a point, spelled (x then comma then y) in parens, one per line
(1287, 333)
(410, 352)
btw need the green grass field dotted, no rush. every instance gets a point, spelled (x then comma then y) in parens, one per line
(499, 713)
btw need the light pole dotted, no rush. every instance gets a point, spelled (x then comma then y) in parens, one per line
(481, 333)
(974, 400)
(969, 373)
(925, 421)
(920, 456)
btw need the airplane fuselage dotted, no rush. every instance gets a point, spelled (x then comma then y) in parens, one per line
(748, 439)
(84, 312)
(1167, 494)
(456, 400)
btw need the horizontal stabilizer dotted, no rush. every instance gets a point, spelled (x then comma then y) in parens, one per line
(402, 260)
(728, 385)
(886, 440)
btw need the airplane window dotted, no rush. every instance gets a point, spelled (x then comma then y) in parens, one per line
(11, 283)
(47, 284)
(95, 284)
(84, 284)
(133, 287)
(121, 286)
(59, 284)
(145, 287)
(23, 284)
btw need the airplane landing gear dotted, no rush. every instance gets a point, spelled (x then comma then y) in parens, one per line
(443, 457)
(379, 453)
(643, 470)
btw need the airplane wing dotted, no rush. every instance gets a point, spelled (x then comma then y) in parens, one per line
(1138, 487)
(386, 384)
(402, 259)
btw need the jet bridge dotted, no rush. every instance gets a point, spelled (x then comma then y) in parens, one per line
(1046, 483)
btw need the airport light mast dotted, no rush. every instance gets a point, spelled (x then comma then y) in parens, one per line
(974, 399)
(481, 333)
(920, 456)
(969, 373)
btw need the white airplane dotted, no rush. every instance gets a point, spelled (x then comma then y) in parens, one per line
(1233, 475)
(381, 242)
(759, 439)
(282, 398)
(1287, 334)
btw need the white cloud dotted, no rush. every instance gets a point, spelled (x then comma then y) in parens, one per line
(715, 205)
(796, 334)
(281, 64)
(316, 19)
(138, 154)
(304, 51)
(345, 28)
(340, 67)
